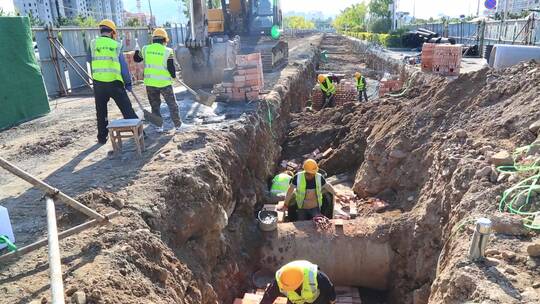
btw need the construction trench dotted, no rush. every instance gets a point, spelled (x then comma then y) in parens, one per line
(187, 232)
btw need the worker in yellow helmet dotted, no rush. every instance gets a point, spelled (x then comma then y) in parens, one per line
(110, 76)
(307, 188)
(328, 89)
(361, 86)
(159, 72)
(301, 282)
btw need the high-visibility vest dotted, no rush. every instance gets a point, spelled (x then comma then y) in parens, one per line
(280, 183)
(155, 58)
(360, 84)
(310, 287)
(328, 87)
(301, 189)
(105, 63)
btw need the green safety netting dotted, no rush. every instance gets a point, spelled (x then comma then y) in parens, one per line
(22, 91)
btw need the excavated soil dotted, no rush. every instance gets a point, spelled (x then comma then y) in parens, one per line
(426, 155)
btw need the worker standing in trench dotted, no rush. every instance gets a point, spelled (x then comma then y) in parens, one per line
(307, 188)
(111, 77)
(158, 74)
(301, 282)
(361, 86)
(280, 184)
(329, 90)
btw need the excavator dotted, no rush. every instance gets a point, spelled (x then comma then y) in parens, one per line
(217, 33)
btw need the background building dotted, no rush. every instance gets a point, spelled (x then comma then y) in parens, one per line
(48, 11)
(516, 6)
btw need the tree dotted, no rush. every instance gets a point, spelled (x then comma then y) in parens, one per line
(35, 21)
(297, 23)
(353, 18)
(379, 8)
(84, 21)
(133, 22)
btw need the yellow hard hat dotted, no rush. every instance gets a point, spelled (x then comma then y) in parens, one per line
(108, 23)
(321, 78)
(310, 166)
(160, 32)
(357, 75)
(291, 278)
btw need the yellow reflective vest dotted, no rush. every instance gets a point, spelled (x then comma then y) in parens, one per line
(301, 189)
(105, 63)
(155, 58)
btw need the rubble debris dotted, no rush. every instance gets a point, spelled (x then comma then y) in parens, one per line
(502, 158)
(322, 223)
(533, 249)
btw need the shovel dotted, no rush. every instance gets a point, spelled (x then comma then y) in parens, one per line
(201, 96)
(149, 116)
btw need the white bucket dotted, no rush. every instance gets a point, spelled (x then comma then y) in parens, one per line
(5, 226)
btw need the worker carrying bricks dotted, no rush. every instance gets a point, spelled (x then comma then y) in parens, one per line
(111, 77)
(301, 282)
(328, 89)
(361, 86)
(307, 188)
(159, 72)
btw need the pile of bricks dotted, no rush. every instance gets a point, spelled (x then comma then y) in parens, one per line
(389, 86)
(344, 295)
(447, 59)
(428, 51)
(135, 69)
(345, 92)
(245, 81)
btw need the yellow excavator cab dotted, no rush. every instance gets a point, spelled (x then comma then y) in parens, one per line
(216, 21)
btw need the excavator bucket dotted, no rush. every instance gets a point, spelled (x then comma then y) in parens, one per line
(204, 66)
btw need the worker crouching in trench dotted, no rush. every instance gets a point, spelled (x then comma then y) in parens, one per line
(309, 195)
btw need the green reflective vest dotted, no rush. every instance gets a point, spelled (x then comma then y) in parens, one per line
(301, 189)
(328, 87)
(280, 184)
(155, 65)
(360, 86)
(310, 287)
(105, 63)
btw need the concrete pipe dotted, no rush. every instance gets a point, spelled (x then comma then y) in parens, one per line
(356, 254)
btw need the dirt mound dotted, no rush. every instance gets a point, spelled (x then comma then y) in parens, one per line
(424, 153)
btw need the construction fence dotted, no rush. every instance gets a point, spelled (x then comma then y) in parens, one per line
(524, 31)
(62, 52)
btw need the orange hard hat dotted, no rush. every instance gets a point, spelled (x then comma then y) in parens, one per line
(321, 78)
(310, 166)
(291, 278)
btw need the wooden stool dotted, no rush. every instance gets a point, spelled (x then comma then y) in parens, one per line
(121, 126)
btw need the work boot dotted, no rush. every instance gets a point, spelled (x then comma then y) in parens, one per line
(102, 141)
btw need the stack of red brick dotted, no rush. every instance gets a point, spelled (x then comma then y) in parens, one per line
(428, 51)
(447, 59)
(344, 295)
(345, 92)
(389, 86)
(136, 69)
(246, 81)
